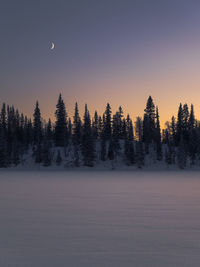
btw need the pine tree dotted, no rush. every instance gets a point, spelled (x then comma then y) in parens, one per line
(61, 138)
(139, 145)
(179, 127)
(116, 132)
(3, 154)
(95, 125)
(88, 149)
(37, 125)
(49, 133)
(76, 127)
(149, 124)
(69, 129)
(185, 127)
(107, 122)
(3, 118)
(138, 129)
(158, 137)
(191, 118)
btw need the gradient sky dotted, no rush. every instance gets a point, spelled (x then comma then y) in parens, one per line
(117, 51)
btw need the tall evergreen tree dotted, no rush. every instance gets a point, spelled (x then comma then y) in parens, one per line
(95, 125)
(76, 126)
(61, 138)
(107, 122)
(179, 126)
(158, 137)
(88, 149)
(3, 154)
(149, 124)
(37, 125)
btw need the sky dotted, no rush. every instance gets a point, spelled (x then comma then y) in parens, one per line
(116, 51)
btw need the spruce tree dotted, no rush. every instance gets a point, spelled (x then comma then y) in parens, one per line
(3, 154)
(76, 127)
(179, 126)
(158, 137)
(95, 125)
(191, 118)
(88, 149)
(61, 124)
(107, 122)
(149, 124)
(37, 125)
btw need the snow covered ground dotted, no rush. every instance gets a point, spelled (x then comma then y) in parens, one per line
(109, 219)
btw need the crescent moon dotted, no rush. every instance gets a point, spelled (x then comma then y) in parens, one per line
(52, 46)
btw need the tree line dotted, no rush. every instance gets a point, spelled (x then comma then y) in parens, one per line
(110, 137)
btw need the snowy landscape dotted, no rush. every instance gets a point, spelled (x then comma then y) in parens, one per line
(100, 133)
(115, 218)
(108, 141)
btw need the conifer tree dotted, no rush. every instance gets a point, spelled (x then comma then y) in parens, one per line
(107, 122)
(69, 129)
(158, 137)
(76, 126)
(88, 149)
(37, 125)
(3, 154)
(149, 124)
(61, 124)
(191, 118)
(139, 145)
(179, 126)
(95, 125)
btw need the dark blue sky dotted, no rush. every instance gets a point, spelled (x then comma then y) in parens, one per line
(104, 51)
